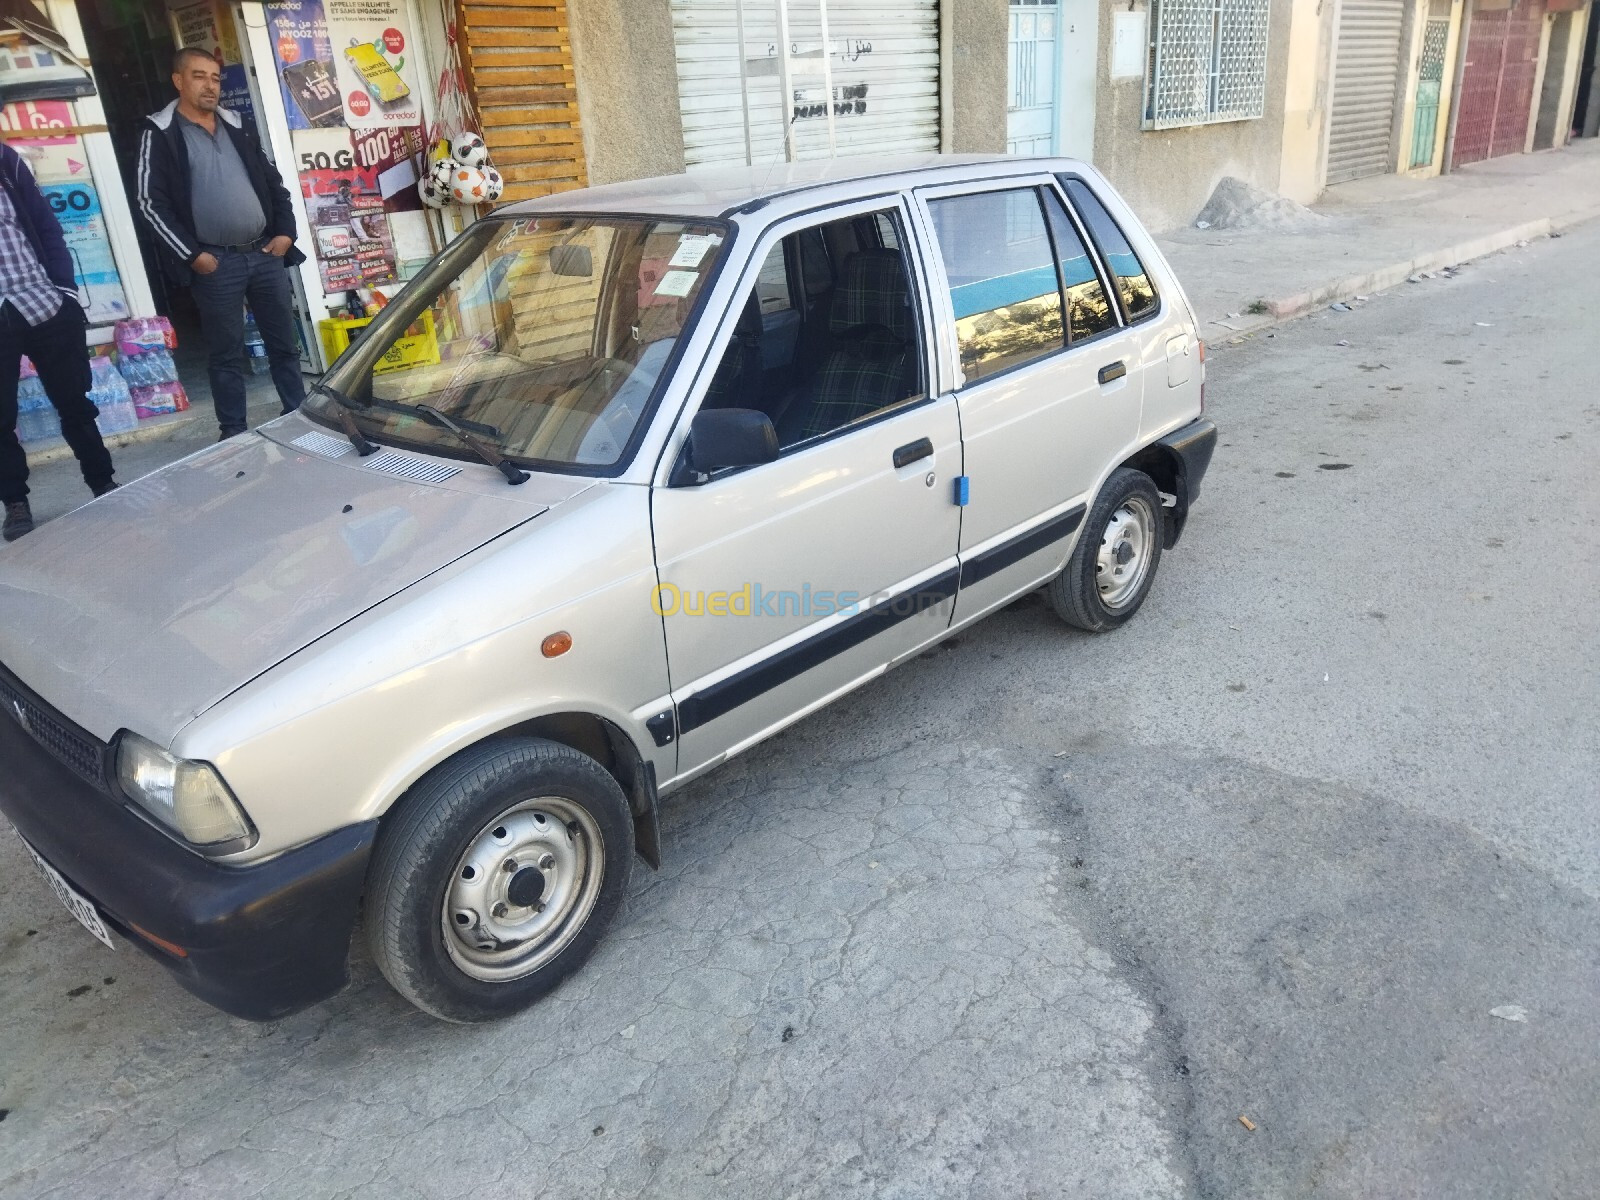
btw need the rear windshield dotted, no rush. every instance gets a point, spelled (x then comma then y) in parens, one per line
(543, 336)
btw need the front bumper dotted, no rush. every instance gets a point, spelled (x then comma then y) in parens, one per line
(262, 941)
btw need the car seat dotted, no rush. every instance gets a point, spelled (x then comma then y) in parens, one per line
(872, 360)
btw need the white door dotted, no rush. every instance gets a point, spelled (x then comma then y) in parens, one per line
(785, 583)
(765, 81)
(1031, 105)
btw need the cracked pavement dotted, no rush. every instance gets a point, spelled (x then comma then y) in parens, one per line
(1038, 914)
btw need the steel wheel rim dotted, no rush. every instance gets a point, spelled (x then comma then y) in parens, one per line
(1126, 548)
(546, 847)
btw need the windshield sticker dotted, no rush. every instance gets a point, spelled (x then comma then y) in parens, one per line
(691, 249)
(677, 283)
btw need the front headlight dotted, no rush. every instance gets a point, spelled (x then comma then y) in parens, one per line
(187, 797)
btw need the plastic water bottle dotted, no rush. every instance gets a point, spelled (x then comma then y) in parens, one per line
(31, 395)
(38, 424)
(255, 347)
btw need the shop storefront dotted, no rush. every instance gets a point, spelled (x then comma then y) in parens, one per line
(344, 94)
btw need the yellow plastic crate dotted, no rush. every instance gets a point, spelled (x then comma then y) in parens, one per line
(418, 346)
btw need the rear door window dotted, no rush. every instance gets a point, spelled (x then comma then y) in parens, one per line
(1089, 310)
(1001, 269)
(1134, 286)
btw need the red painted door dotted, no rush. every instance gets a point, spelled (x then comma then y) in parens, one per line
(1502, 58)
(1517, 71)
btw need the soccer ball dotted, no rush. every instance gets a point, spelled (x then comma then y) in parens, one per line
(469, 150)
(469, 185)
(494, 185)
(443, 174)
(431, 195)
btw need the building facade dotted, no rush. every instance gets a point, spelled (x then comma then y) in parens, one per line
(1167, 97)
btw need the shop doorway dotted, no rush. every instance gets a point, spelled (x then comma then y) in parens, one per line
(132, 46)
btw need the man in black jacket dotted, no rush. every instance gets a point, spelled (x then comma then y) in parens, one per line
(40, 317)
(221, 219)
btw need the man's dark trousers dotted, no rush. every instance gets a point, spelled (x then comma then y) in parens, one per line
(263, 280)
(56, 347)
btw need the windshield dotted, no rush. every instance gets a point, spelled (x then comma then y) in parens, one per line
(543, 336)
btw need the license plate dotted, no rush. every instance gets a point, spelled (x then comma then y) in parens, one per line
(78, 905)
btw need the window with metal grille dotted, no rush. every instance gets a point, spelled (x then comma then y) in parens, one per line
(1208, 62)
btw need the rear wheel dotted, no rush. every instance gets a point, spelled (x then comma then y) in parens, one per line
(1114, 563)
(496, 878)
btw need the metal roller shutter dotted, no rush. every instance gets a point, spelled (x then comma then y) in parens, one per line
(1366, 83)
(876, 91)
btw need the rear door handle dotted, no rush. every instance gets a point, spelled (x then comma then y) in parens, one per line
(912, 451)
(1113, 371)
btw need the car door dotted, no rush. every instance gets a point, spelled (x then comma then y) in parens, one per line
(783, 584)
(1048, 378)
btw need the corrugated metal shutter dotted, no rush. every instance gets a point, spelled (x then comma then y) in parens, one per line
(876, 91)
(518, 58)
(1366, 83)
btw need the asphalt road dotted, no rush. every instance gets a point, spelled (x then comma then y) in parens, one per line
(1039, 914)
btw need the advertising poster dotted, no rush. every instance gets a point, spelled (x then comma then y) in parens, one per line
(395, 155)
(77, 207)
(52, 157)
(344, 204)
(37, 118)
(375, 60)
(299, 33)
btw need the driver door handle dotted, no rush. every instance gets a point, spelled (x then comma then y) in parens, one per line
(1113, 371)
(912, 451)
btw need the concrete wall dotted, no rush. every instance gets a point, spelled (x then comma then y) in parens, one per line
(1167, 175)
(975, 62)
(1307, 94)
(627, 88)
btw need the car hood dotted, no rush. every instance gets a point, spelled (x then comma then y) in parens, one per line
(146, 607)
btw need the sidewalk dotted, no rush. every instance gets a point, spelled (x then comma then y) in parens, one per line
(1379, 232)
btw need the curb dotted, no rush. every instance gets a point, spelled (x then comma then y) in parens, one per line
(1384, 278)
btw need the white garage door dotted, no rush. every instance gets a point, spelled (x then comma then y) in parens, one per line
(863, 76)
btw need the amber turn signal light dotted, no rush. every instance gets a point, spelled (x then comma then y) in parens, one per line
(556, 644)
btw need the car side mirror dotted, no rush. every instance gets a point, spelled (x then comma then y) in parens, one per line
(572, 260)
(725, 437)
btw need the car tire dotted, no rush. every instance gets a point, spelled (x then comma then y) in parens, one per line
(496, 876)
(1114, 563)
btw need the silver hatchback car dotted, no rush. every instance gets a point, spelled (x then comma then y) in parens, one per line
(678, 462)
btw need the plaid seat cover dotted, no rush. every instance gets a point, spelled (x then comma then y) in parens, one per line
(872, 363)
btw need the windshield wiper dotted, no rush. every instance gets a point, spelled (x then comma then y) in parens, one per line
(512, 472)
(346, 421)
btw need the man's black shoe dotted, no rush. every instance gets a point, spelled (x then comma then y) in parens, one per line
(19, 520)
(101, 489)
(228, 433)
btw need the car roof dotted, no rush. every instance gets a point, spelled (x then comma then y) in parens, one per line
(718, 191)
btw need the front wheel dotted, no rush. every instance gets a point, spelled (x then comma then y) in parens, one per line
(1114, 563)
(496, 878)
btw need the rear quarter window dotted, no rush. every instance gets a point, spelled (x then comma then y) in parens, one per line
(1134, 286)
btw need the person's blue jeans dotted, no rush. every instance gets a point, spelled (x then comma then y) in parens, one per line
(263, 280)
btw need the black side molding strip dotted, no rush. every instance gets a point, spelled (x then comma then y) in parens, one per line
(998, 558)
(728, 694)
